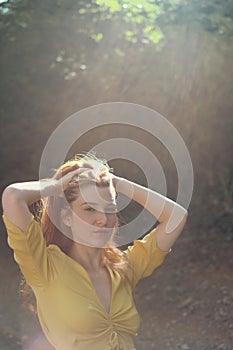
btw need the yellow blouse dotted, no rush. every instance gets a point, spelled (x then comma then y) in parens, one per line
(69, 310)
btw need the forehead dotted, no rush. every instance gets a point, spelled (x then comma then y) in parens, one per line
(96, 194)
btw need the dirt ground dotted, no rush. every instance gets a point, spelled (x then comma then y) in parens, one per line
(187, 304)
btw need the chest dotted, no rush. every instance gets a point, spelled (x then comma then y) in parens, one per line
(85, 303)
(102, 285)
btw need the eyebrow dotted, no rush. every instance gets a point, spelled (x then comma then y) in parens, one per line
(91, 203)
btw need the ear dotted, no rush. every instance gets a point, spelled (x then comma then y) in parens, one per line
(66, 217)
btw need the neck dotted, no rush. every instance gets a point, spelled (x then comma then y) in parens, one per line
(89, 257)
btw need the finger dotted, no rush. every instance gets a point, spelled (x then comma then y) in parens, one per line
(75, 174)
(77, 171)
(87, 165)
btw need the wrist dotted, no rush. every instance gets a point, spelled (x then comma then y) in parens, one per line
(115, 180)
(123, 186)
(50, 187)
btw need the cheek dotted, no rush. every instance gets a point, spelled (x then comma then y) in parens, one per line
(112, 220)
(82, 217)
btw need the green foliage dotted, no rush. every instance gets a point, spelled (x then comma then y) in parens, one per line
(141, 18)
(130, 36)
(142, 21)
(134, 22)
(112, 5)
(97, 37)
(217, 18)
(82, 11)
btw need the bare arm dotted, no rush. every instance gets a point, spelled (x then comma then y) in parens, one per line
(17, 197)
(171, 215)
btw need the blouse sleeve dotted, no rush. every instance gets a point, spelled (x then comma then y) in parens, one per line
(144, 257)
(36, 261)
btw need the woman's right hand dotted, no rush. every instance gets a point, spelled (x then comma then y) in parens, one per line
(18, 197)
(73, 175)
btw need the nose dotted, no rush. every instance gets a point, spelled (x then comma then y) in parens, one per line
(101, 218)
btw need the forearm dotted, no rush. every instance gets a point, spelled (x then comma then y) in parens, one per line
(32, 191)
(17, 197)
(157, 204)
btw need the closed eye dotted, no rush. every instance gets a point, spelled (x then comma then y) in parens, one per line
(89, 209)
(108, 210)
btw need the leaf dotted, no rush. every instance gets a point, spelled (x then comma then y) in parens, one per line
(113, 5)
(155, 36)
(82, 11)
(97, 37)
(130, 36)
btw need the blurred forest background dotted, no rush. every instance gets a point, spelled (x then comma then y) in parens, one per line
(174, 56)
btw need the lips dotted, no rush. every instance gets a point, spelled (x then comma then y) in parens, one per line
(102, 232)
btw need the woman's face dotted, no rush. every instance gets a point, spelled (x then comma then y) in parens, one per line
(94, 215)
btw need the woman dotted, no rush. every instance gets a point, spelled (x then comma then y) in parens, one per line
(82, 283)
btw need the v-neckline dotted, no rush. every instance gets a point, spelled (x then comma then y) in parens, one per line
(96, 295)
(93, 288)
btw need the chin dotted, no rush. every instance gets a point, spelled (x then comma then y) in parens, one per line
(100, 243)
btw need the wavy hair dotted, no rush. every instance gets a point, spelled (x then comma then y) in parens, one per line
(52, 206)
(100, 173)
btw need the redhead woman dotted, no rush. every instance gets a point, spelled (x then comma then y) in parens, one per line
(82, 282)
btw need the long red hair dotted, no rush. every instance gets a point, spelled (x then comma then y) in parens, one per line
(51, 209)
